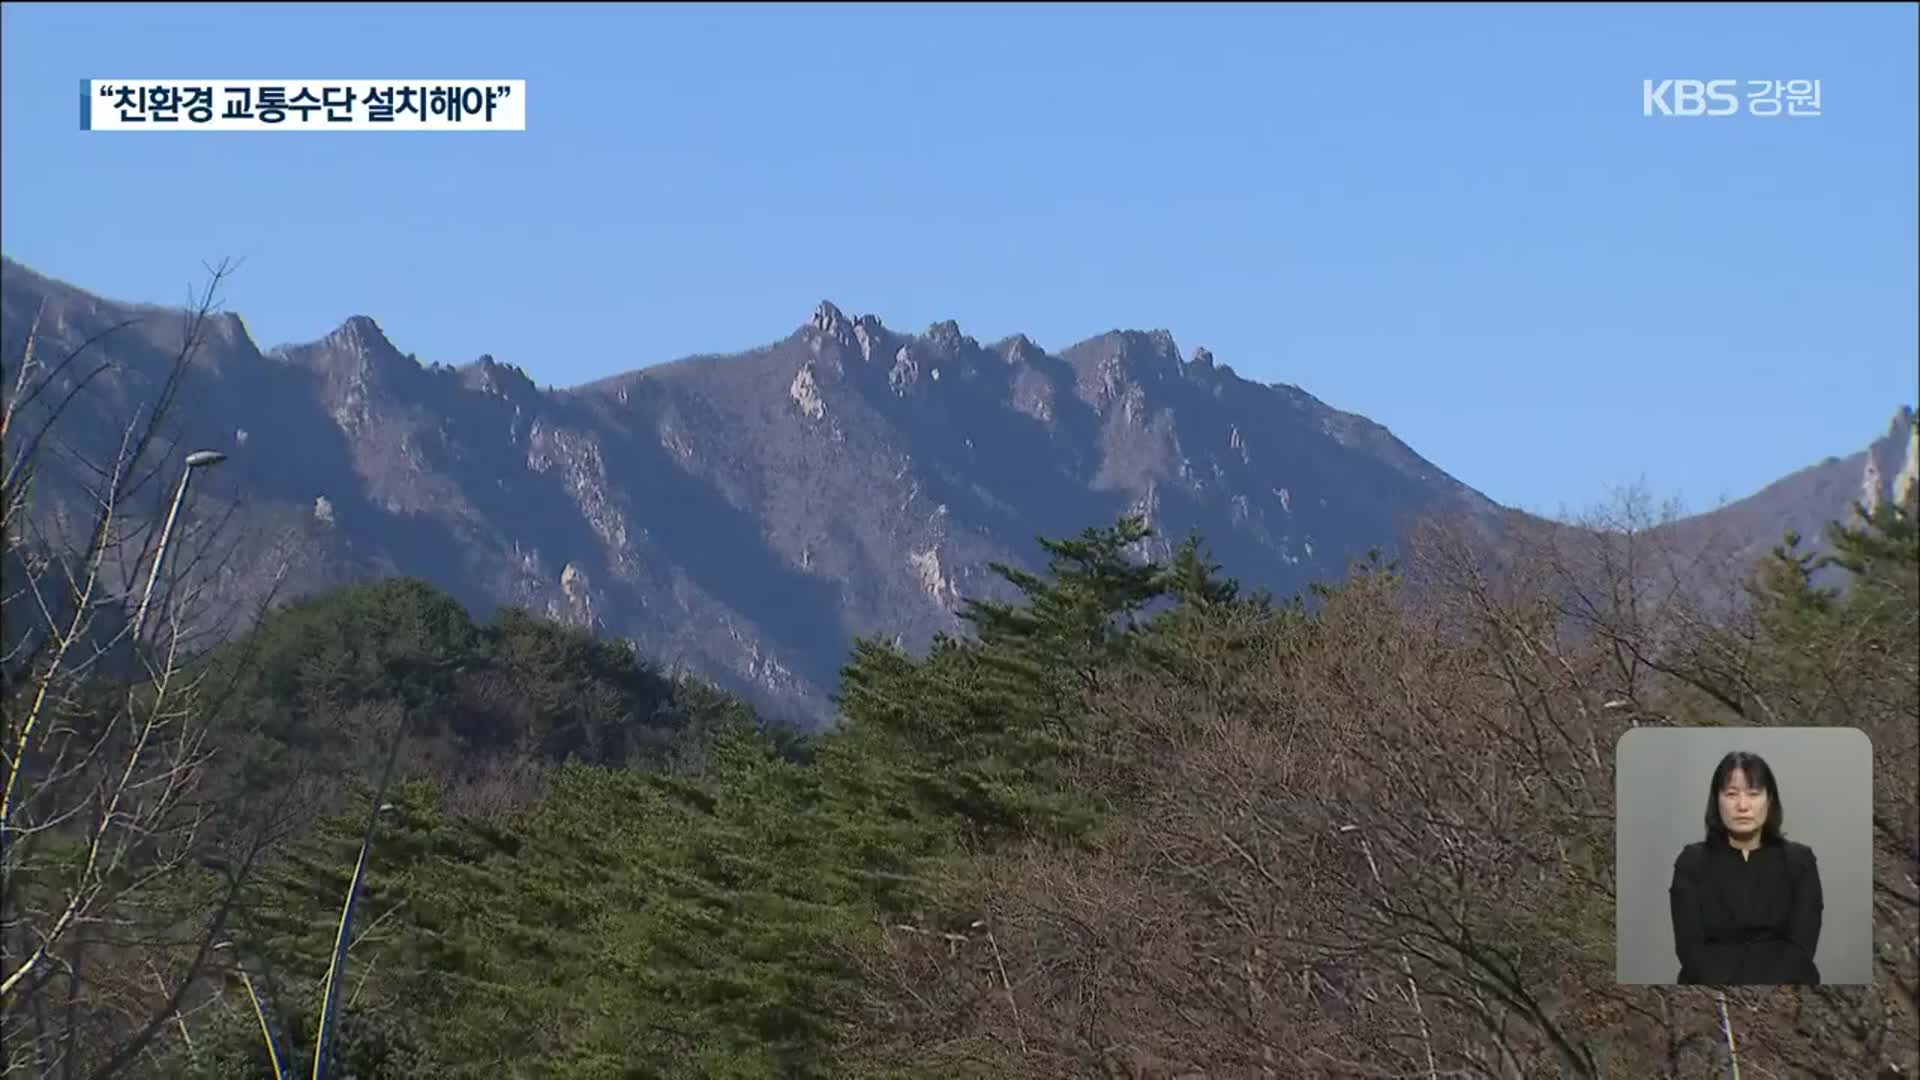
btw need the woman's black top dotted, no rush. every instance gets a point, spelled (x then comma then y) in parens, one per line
(1746, 921)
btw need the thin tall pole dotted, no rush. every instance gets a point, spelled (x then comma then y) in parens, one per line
(337, 967)
(266, 1032)
(160, 555)
(1733, 1048)
(259, 1013)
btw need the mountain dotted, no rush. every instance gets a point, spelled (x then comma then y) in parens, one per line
(743, 517)
(1804, 502)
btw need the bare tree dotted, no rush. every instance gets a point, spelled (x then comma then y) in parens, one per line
(119, 868)
(1379, 842)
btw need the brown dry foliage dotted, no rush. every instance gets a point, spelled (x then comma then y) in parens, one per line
(1379, 842)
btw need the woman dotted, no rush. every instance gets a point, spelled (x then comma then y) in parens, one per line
(1746, 901)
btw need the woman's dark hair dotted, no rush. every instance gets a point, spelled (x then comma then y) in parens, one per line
(1760, 776)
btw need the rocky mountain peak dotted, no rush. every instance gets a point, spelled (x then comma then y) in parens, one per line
(1908, 479)
(946, 338)
(1142, 355)
(750, 514)
(1120, 365)
(357, 349)
(1020, 349)
(361, 334)
(827, 318)
(832, 335)
(490, 376)
(870, 336)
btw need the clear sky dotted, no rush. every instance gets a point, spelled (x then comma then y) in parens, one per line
(1452, 219)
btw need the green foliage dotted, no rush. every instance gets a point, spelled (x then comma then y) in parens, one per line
(1194, 579)
(986, 731)
(575, 696)
(397, 639)
(1835, 652)
(230, 1047)
(632, 923)
(326, 681)
(688, 895)
(701, 908)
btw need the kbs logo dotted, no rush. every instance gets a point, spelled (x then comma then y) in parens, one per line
(1689, 97)
(1720, 97)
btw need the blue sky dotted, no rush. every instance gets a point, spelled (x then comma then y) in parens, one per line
(1452, 219)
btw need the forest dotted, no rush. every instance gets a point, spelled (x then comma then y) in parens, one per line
(1135, 823)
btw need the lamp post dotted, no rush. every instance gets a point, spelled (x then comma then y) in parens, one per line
(1726, 1029)
(336, 968)
(196, 460)
(260, 1013)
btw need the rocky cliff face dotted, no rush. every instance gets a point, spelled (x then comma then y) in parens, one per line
(745, 516)
(1908, 479)
(1805, 502)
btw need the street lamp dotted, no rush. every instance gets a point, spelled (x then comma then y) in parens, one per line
(266, 1032)
(336, 968)
(196, 460)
